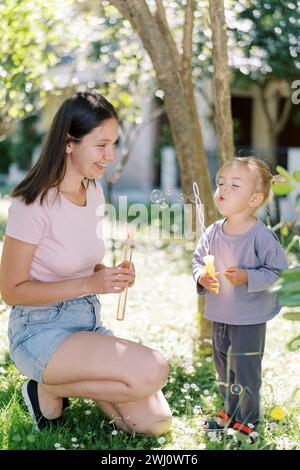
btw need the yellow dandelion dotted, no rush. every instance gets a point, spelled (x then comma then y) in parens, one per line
(278, 413)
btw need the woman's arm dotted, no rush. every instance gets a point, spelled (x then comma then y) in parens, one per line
(17, 289)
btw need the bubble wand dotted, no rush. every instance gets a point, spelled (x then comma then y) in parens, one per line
(209, 260)
(123, 295)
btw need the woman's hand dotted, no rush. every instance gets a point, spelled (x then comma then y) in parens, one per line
(236, 276)
(128, 265)
(110, 280)
(210, 283)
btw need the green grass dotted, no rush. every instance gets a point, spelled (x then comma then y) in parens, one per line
(161, 313)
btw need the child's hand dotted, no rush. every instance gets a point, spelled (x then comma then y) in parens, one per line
(210, 283)
(236, 276)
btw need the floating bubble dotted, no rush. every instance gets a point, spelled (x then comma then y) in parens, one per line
(181, 198)
(156, 196)
(163, 204)
(168, 191)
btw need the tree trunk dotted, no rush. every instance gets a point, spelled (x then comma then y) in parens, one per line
(276, 121)
(174, 77)
(179, 101)
(223, 115)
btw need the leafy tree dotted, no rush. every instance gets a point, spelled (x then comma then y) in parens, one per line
(264, 35)
(35, 36)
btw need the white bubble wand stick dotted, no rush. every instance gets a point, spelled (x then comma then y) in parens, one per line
(209, 260)
(123, 296)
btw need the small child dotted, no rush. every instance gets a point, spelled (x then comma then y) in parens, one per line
(248, 260)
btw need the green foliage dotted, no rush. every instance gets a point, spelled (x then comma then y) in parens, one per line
(267, 32)
(287, 287)
(129, 75)
(294, 344)
(20, 145)
(34, 37)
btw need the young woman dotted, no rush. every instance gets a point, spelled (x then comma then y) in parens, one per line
(51, 272)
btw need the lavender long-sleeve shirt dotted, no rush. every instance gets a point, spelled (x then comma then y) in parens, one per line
(260, 253)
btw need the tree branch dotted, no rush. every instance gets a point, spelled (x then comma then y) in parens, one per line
(187, 43)
(163, 24)
(224, 124)
(262, 90)
(284, 116)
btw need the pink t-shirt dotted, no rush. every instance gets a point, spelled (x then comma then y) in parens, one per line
(68, 237)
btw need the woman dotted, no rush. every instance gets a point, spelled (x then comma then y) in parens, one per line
(50, 274)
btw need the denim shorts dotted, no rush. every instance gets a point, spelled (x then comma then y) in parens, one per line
(35, 332)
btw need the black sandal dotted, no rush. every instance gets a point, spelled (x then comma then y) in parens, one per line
(213, 424)
(66, 403)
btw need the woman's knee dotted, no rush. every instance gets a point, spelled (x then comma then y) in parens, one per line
(154, 375)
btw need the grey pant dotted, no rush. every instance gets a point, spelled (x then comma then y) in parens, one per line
(239, 369)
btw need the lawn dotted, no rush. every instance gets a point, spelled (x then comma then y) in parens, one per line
(161, 313)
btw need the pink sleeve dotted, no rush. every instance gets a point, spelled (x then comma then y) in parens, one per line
(25, 222)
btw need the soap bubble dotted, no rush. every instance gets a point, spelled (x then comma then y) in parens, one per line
(168, 191)
(156, 196)
(181, 198)
(163, 204)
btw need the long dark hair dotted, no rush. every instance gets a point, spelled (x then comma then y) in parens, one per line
(77, 116)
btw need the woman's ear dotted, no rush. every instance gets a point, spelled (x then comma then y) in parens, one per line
(69, 144)
(256, 200)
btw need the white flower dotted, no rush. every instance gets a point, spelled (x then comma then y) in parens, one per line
(212, 435)
(202, 446)
(195, 387)
(75, 445)
(74, 439)
(208, 359)
(114, 432)
(60, 448)
(206, 392)
(231, 432)
(161, 440)
(187, 397)
(169, 394)
(171, 380)
(186, 386)
(254, 434)
(2, 370)
(57, 445)
(249, 440)
(274, 427)
(250, 425)
(88, 412)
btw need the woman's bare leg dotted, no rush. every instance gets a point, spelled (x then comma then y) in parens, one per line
(151, 415)
(131, 375)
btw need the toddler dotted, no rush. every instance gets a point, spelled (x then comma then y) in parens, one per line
(248, 260)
